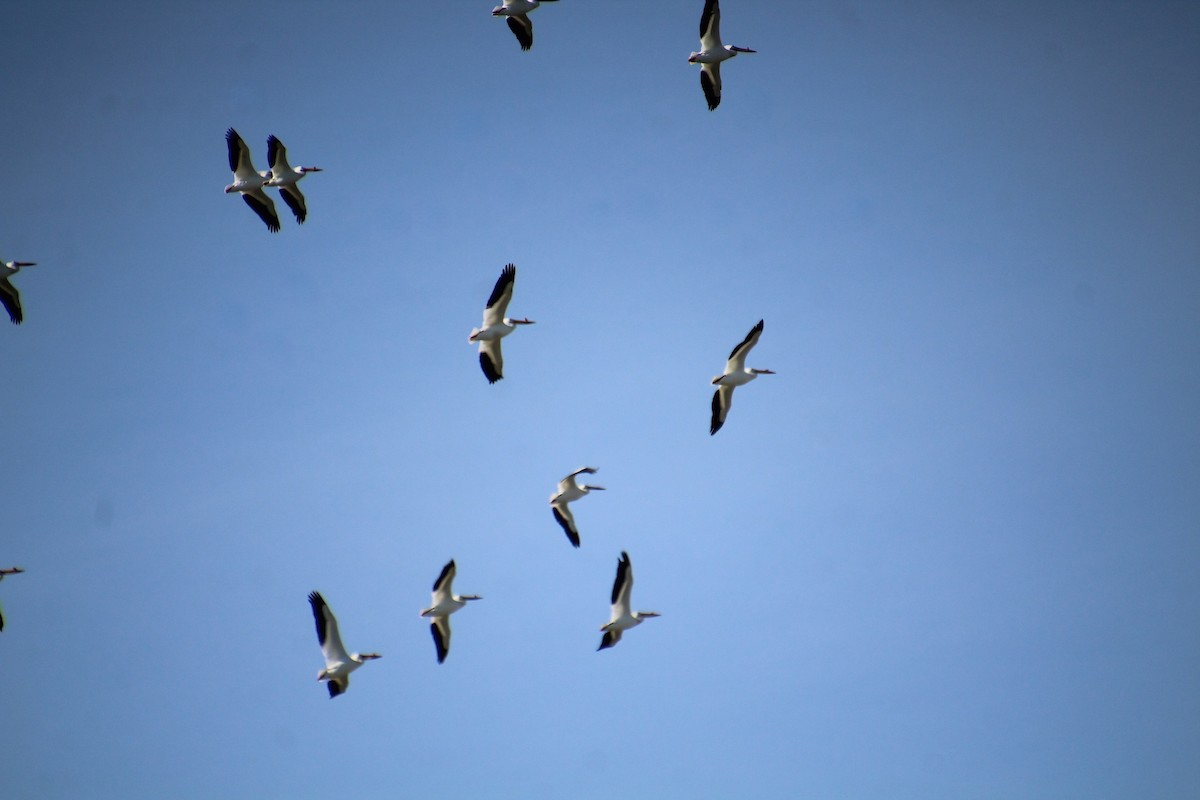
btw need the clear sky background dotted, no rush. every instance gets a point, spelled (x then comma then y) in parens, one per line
(950, 550)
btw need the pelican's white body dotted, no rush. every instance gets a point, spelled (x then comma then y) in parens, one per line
(736, 374)
(570, 490)
(712, 53)
(496, 326)
(338, 663)
(444, 603)
(622, 619)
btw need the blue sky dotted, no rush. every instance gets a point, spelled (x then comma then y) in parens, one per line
(949, 550)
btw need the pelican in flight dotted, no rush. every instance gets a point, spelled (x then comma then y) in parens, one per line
(570, 490)
(622, 618)
(445, 603)
(284, 177)
(338, 664)
(3, 572)
(736, 374)
(712, 53)
(496, 326)
(249, 182)
(9, 295)
(517, 12)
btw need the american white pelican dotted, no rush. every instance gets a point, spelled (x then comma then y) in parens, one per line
(712, 53)
(496, 326)
(622, 618)
(444, 604)
(569, 490)
(518, 20)
(3, 572)
(338, 664)
(249, 182)
(736, 374)
(284, 177)
(9, 295)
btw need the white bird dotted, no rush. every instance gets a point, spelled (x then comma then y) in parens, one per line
(338, 663)
(249, 182)
(3, 572)
(443, 605)
(569, 490)
(622, 618)
(284, 177)
(518, 20)
(496, 326)
(712, 53)
(9, 296)
(736, 374)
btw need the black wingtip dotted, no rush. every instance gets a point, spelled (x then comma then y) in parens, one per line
(573, 538)
(442, 652)
(446, 570)
(710, 91)
(489, 369)
(524, 34)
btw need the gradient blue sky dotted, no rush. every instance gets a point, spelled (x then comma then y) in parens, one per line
(950, 550)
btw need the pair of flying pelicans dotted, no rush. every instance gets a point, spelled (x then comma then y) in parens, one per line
(339, 664)
(711, 54)
(249, 182)
(496, 326)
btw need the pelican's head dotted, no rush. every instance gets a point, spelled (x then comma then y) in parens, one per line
(231, 188)
(735, 49)
(761, 371)
(692, 58)
(508, 321)
(641, 615)
(498, 11)
(470, 597)
(14, 266)
(717, 380)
